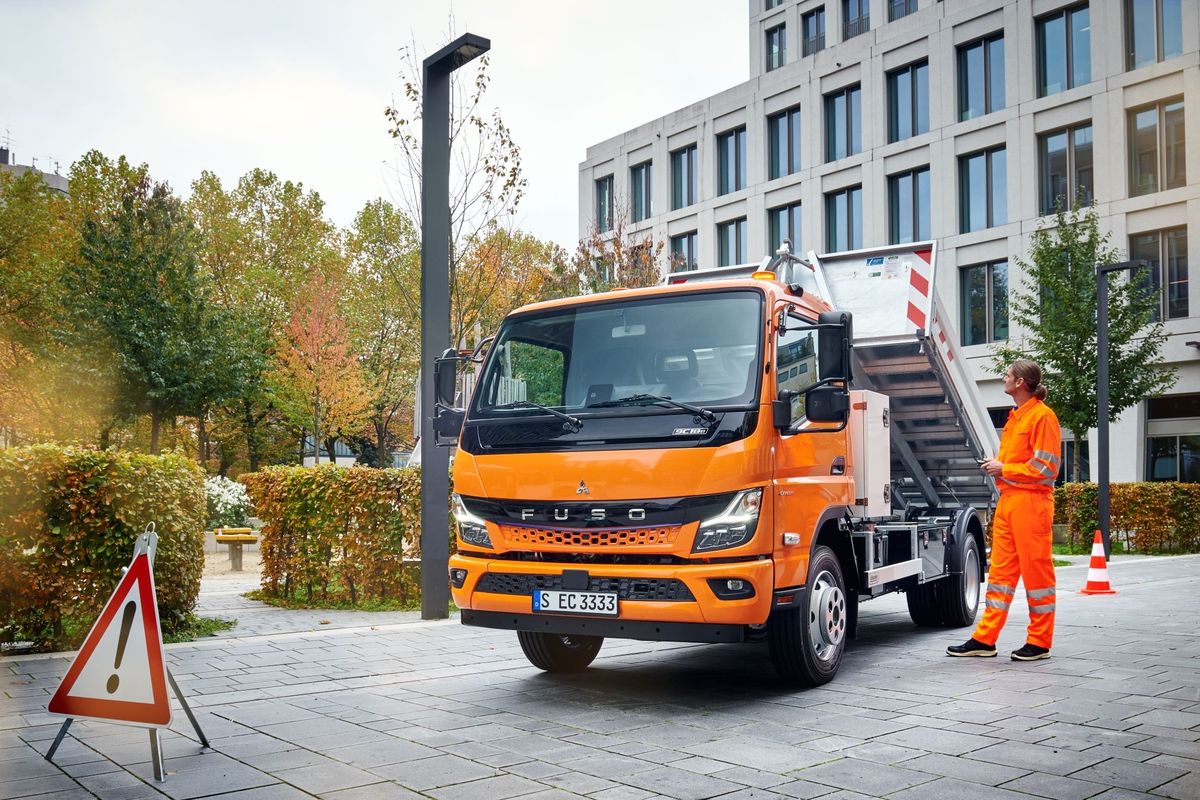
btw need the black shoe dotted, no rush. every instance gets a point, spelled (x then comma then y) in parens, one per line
(1030, 652)
(972, 647)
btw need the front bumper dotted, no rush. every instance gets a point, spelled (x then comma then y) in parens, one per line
(693, 602)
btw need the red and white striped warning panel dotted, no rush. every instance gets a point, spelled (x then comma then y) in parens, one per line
(119, 674)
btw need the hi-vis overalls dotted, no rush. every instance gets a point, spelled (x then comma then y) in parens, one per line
(1021, 535)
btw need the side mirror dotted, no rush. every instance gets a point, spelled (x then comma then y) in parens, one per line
(445, 378)
(833, 346)
(828, 403)
(781, 410)
(447, 425)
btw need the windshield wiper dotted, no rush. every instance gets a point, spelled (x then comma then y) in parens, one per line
(702, 413)
(573, 424)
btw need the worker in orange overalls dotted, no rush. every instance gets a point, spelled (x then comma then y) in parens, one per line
(1024, 470)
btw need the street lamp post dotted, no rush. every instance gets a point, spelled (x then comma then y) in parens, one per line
(1103, 505)
(435, 311)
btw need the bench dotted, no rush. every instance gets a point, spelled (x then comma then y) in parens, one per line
(235, 538)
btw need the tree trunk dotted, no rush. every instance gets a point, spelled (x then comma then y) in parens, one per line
(1076, 461)
(383, 456)
(155, 427)
(250, 429)
(329, 445)
(316, 430)
(202, 438)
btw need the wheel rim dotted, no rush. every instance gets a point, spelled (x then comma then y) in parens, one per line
(826, 616)
(971, 579)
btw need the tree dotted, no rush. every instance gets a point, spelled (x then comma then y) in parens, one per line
(608, 260)
(318, 376)
(137, 287)
(1056, 304)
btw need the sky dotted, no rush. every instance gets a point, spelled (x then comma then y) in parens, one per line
(299, 87)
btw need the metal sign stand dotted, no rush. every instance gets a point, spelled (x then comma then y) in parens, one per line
(146, 543)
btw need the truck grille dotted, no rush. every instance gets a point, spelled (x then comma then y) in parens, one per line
(664, 589)
(621, 538)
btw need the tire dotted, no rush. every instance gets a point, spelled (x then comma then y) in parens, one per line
(959, 594)
(554, 652)
(924, 604)
(807, 643)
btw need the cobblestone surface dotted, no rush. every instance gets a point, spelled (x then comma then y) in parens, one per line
(388, 706)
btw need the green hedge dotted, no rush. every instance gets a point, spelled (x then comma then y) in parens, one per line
(68, 521)
(336, 534)
(1149, 517)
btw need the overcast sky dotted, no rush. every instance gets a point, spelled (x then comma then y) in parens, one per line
(299, 88)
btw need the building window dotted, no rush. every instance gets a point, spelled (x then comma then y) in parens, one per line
(1156, 151)
(731, 242)
(856, 18)
(1153, 31)
(604, 205)
(908, 206)
(1065, 168)
(1166, 253)
(1173, 458)
(1064, 51)
(812, 26)
(639, 192)
(984, 302)
(843, 123)
(731, 161)
(981, 77)
(683, 252)
(683, 177)
(776, 47)
(901, 8)
(784, 223)
(769, 4)
(843, 220)
(983, 190)
(783, 145)
(908, 101)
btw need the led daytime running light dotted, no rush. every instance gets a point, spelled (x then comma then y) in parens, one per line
(471, 529)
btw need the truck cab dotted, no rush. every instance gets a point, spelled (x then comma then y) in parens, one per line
(701, 462)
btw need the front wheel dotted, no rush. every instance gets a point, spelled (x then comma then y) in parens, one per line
(807, 642)
(555, 652)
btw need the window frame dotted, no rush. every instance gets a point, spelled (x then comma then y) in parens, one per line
(815, 43)
(919, 216)
(738, 136)
(913, 72)
(791, 162)
(1161, 277)
(1048, 206)
(855, 26)
(905, 7)
(1068, 45)
(775, 57)
(641, 201)
(604, 203)
(795, 224)
(685, 180)
(989, 102)
(990, 218)
(851, 96)
(831, 198)
(990, 335)
(738, 226)
(1160, 54)
(1160, 144)
(690, 241)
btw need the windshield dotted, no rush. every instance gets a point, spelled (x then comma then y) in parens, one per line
(700, 349)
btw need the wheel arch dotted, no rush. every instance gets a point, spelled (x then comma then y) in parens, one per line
(828, 533)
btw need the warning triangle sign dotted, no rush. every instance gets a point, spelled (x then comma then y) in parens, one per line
(119, 674)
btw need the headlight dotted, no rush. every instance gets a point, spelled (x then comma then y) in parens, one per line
(733, 526)
(472, 529)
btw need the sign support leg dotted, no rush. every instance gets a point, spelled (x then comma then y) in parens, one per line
(58, 739)
(156, 755)
(187, 709)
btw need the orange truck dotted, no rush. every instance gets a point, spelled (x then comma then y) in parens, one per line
(741, 454)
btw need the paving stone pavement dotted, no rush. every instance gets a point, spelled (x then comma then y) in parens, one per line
(374, 706)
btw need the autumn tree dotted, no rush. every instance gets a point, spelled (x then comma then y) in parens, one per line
(605, 260)
(1056, 307)
(318, 378)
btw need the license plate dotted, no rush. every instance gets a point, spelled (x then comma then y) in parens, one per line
(602, 604)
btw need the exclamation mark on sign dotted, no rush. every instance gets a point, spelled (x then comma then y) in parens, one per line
(126, 624)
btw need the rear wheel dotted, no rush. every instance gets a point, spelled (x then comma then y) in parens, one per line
(807, 642)
(959, 596)
(924, 604)
(554, 652)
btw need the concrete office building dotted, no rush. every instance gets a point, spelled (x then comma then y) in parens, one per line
(867, 122)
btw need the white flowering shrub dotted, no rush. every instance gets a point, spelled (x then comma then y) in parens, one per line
(228, 503)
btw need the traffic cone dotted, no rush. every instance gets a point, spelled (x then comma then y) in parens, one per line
(1097, 579)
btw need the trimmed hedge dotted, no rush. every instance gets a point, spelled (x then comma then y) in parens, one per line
(337, 534)
(68, 521)
(1150, 517)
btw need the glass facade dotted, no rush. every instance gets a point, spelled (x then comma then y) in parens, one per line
(908, 101)
(981, 77)
(683, 177)
(731, 161)
(843, 219)
(1065, 173)
(908, 206)
(984, 302)
(1064, 51)
(843, 123)
(783, 143)
(983, 190)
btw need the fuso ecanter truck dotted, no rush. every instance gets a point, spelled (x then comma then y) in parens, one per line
(738, 455)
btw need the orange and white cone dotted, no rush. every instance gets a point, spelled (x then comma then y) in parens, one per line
(1097, 579)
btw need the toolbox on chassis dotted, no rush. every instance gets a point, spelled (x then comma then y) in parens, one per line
(737, 455)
